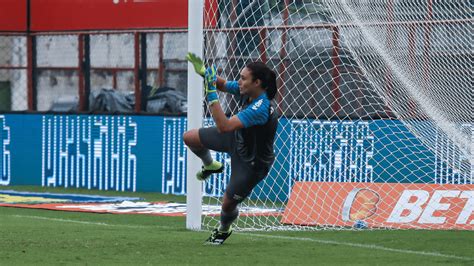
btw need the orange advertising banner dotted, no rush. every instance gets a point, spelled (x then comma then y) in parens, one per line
(394, 205)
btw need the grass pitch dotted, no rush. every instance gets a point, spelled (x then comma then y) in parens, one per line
(44, 237)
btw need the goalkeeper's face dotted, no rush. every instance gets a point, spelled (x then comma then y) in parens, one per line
(248, 85)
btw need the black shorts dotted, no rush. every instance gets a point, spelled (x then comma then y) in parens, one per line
(244, 176)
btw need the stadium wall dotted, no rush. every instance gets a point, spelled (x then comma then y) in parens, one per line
(146, 153)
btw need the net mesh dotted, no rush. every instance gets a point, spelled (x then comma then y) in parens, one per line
(376, 92)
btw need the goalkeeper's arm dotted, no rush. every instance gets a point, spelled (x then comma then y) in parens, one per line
(220, 84)
(223, 123)
(200, 69)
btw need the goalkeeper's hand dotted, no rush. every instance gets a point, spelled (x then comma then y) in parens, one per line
(210, 79)
(197, 62)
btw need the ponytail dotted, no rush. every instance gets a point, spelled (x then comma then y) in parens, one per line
(266, 76)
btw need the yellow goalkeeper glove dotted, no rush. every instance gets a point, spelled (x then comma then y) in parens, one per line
(210, 85)
(197, 63)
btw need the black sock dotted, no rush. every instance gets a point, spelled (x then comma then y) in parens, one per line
(204, 154)
(227, 218)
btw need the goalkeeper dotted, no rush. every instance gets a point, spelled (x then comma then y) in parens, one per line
(247, 137)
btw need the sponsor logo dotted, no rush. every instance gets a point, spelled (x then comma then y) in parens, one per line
(238, 197)
(453, 166)
(174, 161)
(4, 153)
(90, 152)
(21, 197)
(174, 157)
(257, 104)
(148, 208)
(330, 151)
(432, 207)
(360, 204)
(393, 205)
(160, 208)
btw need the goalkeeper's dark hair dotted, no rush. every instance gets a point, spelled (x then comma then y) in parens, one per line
(267, 76)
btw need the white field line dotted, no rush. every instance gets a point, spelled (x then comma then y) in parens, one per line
(314, 240)
(93, 223)
(364, 246)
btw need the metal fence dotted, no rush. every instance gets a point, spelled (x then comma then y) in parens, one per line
(59, 71)
(39, 71)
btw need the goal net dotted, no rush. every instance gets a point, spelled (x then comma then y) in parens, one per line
(376, 107)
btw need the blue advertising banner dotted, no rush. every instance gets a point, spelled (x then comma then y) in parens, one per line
(5, 158)
(147, 153)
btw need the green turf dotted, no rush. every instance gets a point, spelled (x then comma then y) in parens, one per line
(51, 237)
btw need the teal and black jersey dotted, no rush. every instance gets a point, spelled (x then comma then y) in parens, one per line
(254, 142)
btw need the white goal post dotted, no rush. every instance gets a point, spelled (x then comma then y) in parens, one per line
(195, 115)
